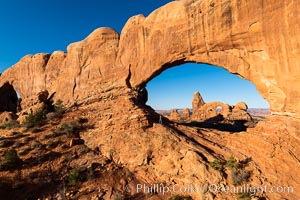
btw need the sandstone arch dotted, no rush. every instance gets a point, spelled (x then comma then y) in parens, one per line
(246, 38)
(257, 40)
(235, 35)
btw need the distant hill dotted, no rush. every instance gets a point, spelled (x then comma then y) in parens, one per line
(259, 111)
(253, 111)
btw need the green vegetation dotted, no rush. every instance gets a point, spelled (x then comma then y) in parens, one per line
(11, 160)
(40, 116)
(10, 124)
(239, 175)
(216, 165)
(35, 119)
(69, 128)
(178, 197)
(74, 177)
(232, 163)
(59, 108)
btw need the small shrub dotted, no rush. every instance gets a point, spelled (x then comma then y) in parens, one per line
(232, 163)
(244, 196)
(35, 119)
(69, 128)
(216, 165)
(74, 177)
(11, 124)
(178, 197)
(240, 176)
(59, 108)
(11, 160)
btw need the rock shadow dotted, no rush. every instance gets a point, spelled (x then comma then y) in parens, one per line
(219, 123)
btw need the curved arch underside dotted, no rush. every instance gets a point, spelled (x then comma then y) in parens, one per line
(258, 40)
(250, 39)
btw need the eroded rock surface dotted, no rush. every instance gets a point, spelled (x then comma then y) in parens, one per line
(107, 73)
(212, 110)
(197, 101)
(239, 36)
(174, 115)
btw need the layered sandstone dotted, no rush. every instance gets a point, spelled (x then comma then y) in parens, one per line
(242, 37)
(213, 110)
(87, 69)
(250, 39)
(107, 73)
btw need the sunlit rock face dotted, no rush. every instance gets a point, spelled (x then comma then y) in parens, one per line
(258, 40)
(250, 39)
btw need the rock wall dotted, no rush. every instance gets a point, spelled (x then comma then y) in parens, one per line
(83, 73)
(257, 40)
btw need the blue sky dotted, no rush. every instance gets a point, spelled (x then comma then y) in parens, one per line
(35, 26)
(175, 87)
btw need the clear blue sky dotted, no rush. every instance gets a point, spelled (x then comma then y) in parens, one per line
(35, 26)
(175, 87)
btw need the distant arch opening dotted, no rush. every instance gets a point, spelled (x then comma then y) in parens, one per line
(9, 98)
(222, 92)
(219, 109)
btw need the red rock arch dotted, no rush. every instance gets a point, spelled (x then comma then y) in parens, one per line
(251, 39)
(238, 36)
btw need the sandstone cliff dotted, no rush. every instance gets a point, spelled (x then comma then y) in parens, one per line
(252, 40)
(107, 73)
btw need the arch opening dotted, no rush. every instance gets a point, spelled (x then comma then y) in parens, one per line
(9, 99)
(222, 96)
(219, 109)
